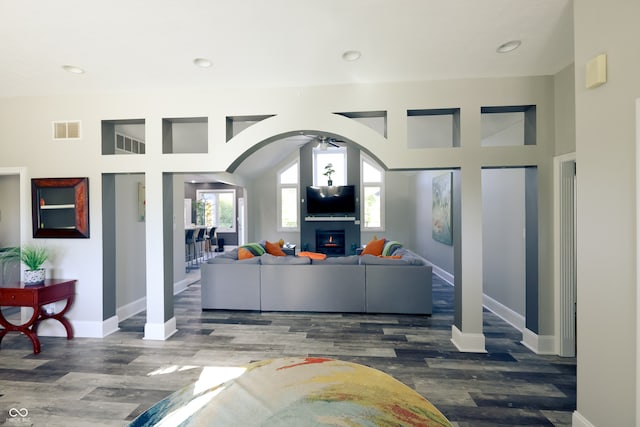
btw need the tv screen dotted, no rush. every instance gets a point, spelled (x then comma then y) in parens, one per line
(334, 200)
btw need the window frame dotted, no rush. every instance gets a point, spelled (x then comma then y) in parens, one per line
(217, 191)
(279, 187)
(333, 150)
(367, 184)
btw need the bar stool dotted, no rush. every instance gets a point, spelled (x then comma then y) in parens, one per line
(213, 239)
(199, 244)
(189, 242)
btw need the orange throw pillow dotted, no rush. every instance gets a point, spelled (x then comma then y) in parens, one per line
(313, 255)
(274, 249)
(244, 253)
(374, 247)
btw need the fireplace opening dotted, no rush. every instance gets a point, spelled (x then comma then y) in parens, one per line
(330, 242)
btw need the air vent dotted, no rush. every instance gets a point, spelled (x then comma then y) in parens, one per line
(125, 144)
(66, 130)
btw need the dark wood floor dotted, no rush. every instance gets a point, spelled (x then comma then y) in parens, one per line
(108, 382)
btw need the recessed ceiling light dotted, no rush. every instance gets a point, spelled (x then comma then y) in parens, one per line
(509, 46)
(73, 69)
(351, 55)
(202, 62)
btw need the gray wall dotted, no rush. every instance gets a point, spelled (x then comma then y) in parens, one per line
(400, 209)
(565, 107)
(439, 254)
(262, 209)
(9, 210)
(503, 224)
(308, 228)
(130, 241)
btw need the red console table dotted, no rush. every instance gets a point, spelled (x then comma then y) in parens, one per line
(35, 296)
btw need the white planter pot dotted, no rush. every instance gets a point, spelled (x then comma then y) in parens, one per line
(34, 277)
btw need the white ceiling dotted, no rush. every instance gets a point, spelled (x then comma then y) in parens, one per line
(144, 45)
(127, 45)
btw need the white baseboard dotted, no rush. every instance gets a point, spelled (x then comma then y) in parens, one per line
(505, 313)
(110, 326)
(131, 309)
(466, 342)
(160, 331)
(181, 286)
(577, 420)
(135, 307)
(444, 275)
(81, 328)
(539, 344)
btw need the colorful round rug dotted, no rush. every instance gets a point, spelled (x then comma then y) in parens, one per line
(299, 392)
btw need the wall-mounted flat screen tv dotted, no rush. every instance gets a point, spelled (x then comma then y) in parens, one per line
(334, 200)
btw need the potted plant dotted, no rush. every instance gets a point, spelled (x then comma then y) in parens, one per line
(32, 257)
(328, 171)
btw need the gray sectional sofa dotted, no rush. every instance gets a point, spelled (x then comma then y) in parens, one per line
(358, 284)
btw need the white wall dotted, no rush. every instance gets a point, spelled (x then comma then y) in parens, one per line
(606, 202)
(29, 120)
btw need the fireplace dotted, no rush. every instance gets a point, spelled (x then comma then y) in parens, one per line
(330, 242)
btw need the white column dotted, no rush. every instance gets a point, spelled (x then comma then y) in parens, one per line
(159, 325)
(467, 333)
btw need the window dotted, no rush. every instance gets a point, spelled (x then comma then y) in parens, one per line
(216, 208)
(338, 159)
(372, 194)
(288, 198)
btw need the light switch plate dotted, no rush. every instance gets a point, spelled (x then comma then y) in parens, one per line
(596, 71)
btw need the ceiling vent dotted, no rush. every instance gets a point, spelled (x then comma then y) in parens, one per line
(66, 130)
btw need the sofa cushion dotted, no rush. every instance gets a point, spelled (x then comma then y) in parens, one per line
(374, 247)
(232, 254)
(380, 260)
(227, 260)
(274, 249)
(269, 259)
(390, 247)
(342, 260)
(409, 257)
(220, 259)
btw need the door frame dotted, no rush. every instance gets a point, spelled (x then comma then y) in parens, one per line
(564, 245)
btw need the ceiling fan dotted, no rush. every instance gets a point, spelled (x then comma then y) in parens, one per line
(325, 142)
